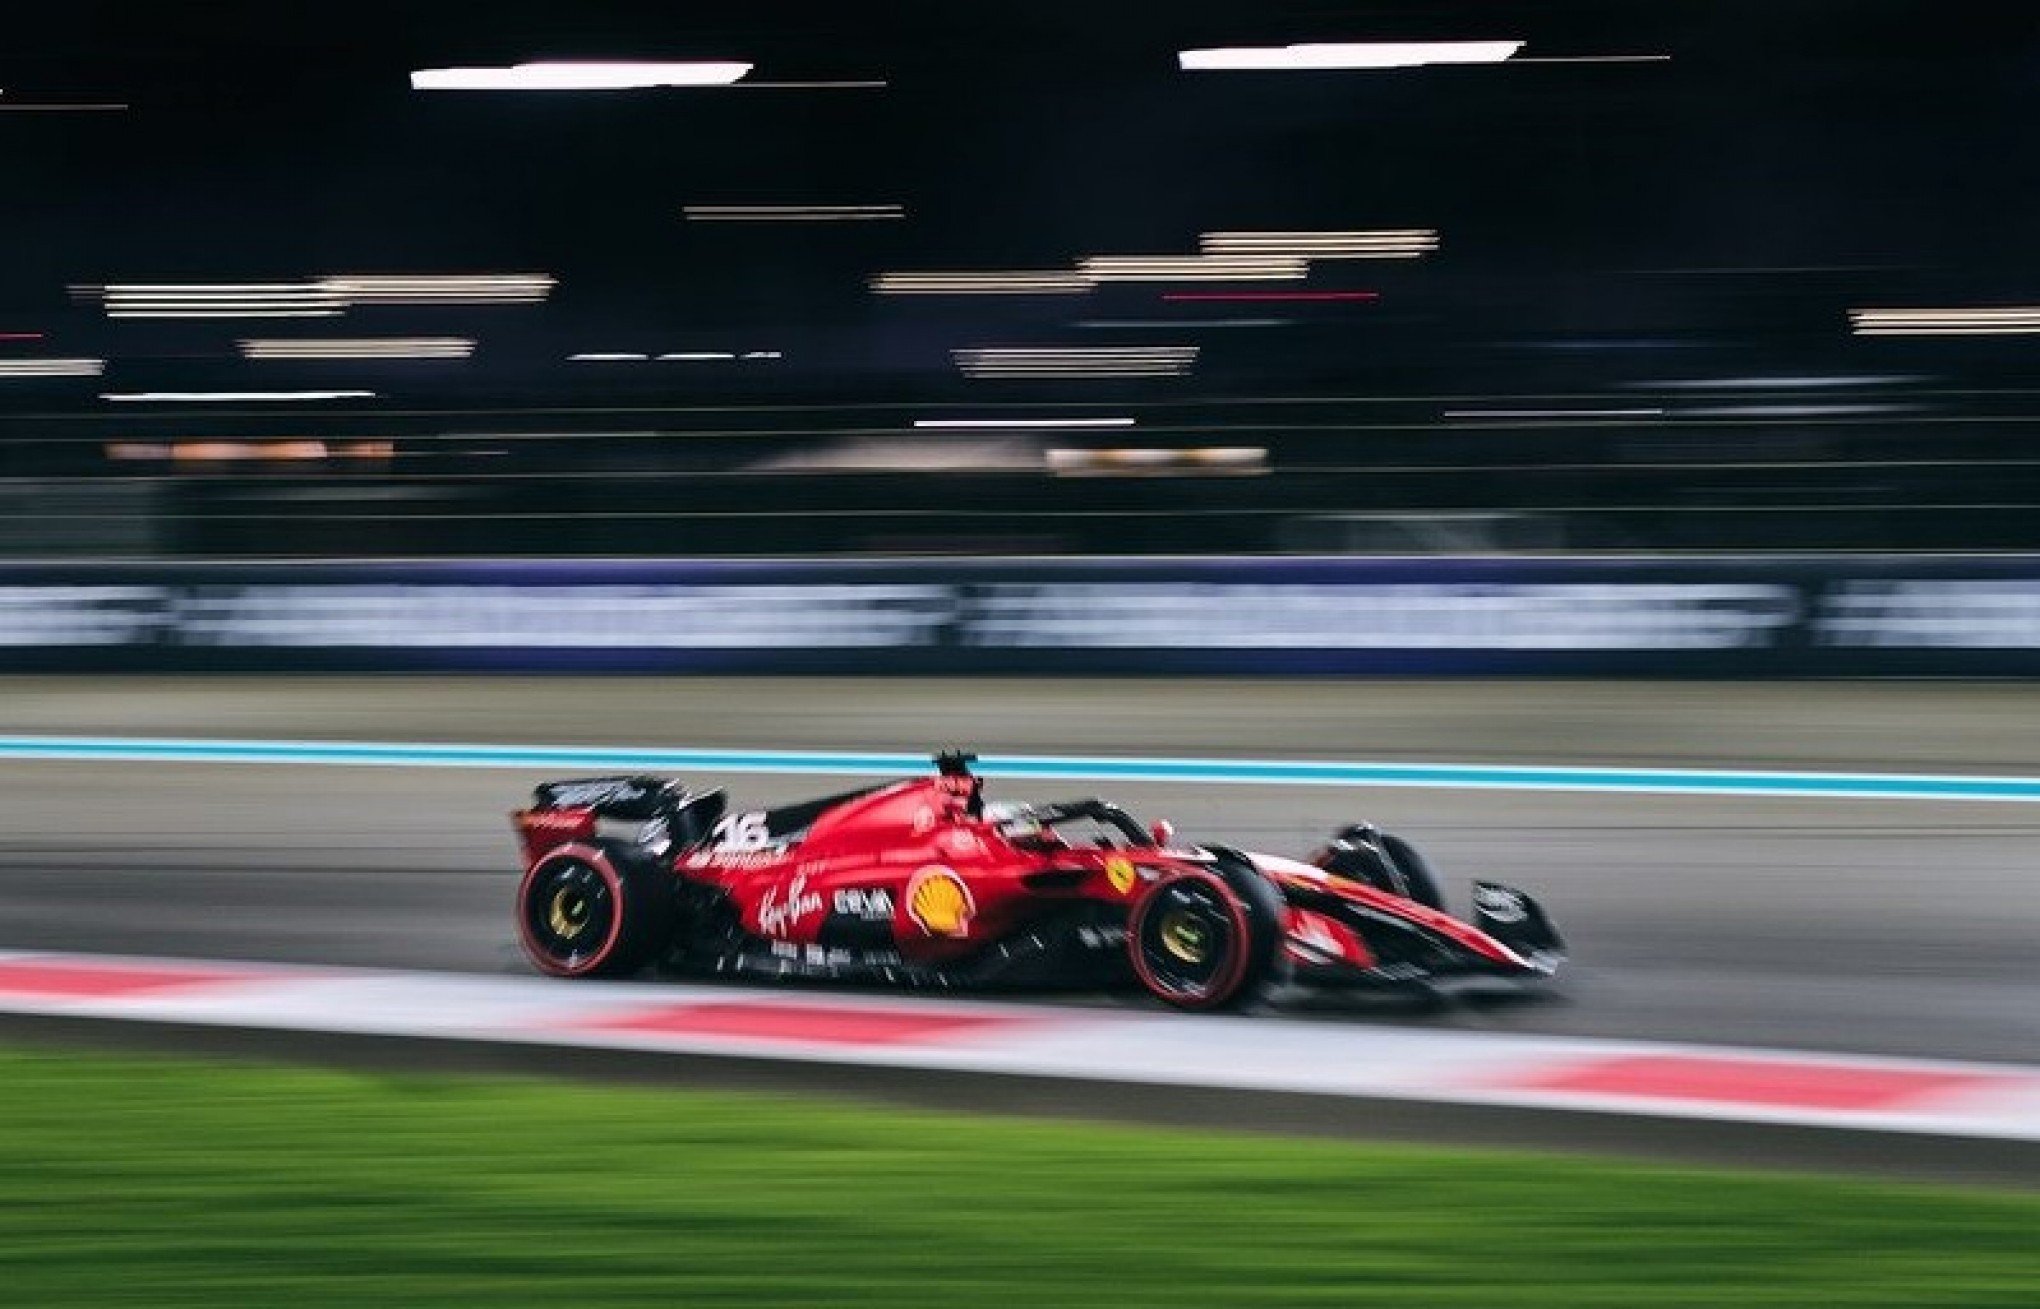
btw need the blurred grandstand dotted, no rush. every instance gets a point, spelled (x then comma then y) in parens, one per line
(1296, 476)
(1678, 277)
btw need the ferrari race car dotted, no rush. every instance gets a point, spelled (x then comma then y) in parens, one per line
(922, 883)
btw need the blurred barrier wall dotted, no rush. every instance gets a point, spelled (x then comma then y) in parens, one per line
(1713, 616)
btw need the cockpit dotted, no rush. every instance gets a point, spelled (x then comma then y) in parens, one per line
(1070, 825)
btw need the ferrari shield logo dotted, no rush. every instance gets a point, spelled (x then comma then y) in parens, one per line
(1120, 873)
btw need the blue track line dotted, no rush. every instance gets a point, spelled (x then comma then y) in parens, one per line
(1505, 777)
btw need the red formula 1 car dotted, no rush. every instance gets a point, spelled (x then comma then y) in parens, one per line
(920, 882)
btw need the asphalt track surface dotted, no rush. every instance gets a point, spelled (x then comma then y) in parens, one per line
(1886, 927)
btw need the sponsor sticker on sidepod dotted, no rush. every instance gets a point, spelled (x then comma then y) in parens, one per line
(939, 903)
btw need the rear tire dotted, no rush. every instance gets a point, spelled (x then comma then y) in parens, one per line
(1207, 938)
(599, 909)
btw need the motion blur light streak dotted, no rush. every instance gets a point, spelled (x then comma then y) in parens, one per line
(1124, 461)
(1554, 413)
(573, 76)
(51, 367)
(1792, 410)
(1999, 329)
(1603, 344)
(1777, 383)
(994, 423)
(1270, 296)
(1351, 55)
(1046, 282)
(1066, 372)
(1076, 361)
(320, 299)
(218, 290)
(1194, 268)
(242, 312)
(206, 397)
(221, 300)
(671, 356)
(1017, 353)
(217, 452)
(1999, 320)
(792, 213)
(396, 347)
(441, 288)
(1403, 244)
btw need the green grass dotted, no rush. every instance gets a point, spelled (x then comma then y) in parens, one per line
(139, 1181)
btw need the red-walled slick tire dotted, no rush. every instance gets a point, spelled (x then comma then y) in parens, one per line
(1206, 938)
(593, 910)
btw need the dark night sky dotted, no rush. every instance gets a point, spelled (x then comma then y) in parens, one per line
(1599, 221)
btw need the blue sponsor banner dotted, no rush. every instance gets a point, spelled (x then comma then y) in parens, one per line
(1703, 616)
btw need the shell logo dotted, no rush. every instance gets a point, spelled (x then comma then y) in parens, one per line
(939, 903)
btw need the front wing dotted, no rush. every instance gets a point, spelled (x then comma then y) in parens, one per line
(1344, 935)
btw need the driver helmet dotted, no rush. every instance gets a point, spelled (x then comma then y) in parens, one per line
(1014, 821)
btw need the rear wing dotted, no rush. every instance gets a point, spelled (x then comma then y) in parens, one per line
(628, 798)
(670, 815)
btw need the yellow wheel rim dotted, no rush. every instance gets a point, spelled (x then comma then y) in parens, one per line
(568, 913)
(1186, 937)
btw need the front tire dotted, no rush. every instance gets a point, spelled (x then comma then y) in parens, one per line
(1206, 938)
(1384, 861)
(594, 910)
(1422, 883)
